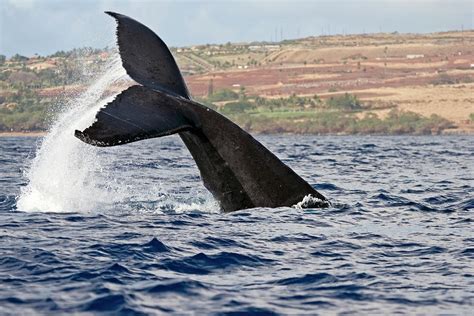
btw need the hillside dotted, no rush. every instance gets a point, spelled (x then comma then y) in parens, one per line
(287, 86)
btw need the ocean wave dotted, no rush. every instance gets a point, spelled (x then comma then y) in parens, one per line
(396, 238)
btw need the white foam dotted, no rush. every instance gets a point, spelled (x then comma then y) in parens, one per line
(62, 175)
(310, 201)
(68, 175)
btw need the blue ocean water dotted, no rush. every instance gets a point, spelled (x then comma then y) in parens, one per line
(132, 231)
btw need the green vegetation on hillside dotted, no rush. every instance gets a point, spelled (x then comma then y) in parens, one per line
(29, 87)
(337, 122)
(344, 102)
(24, 111)
(223, 95)
(335, 115)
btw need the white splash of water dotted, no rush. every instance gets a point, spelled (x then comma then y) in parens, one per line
(310, 201)
(68, 175)
(62, 175)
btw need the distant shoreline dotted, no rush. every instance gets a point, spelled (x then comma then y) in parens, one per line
(22, 134)
(446, 133)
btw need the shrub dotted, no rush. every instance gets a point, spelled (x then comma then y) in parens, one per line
(442, 79)
(18, 58)
(344, 102)
(237, 107)
(223, 95)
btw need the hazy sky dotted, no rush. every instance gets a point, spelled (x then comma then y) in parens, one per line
(45, 26)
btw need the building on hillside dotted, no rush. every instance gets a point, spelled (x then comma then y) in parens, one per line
(415, 56)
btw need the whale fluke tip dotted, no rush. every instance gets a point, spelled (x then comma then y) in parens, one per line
(88, 140)
(113, 14)
(82, 137)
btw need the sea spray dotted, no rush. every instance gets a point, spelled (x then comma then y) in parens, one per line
(68, 175)
(63, 173)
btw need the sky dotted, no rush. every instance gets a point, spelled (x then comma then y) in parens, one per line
(43, 27)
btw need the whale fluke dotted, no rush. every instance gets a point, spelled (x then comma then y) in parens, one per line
(137, 113)
(238, 170)
(146, 58)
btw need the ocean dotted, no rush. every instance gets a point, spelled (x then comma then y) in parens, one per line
(131, 230)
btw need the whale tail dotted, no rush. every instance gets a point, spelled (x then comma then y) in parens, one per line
(139, 113)
(238, 170)
(146, 58)
(135, 114)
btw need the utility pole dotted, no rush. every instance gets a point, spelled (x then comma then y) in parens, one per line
(210, 88)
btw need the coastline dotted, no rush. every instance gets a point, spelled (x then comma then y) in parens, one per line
(23, 134)
(454, 132)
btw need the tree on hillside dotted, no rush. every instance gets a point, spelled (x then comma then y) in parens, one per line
(60, 53)
(18, 58)
(242, 95)
(223, 95)
(346, 102)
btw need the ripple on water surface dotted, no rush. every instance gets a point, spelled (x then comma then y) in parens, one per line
(397, 239)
